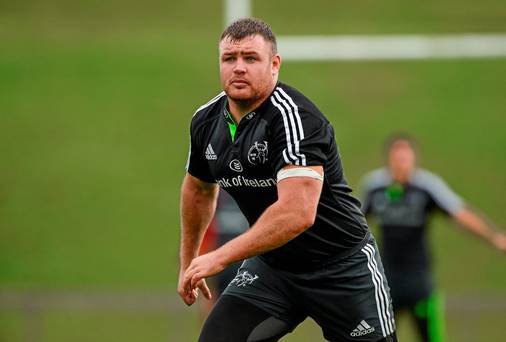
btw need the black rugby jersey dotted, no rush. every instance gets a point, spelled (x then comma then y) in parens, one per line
(286, 129)
(403, 212)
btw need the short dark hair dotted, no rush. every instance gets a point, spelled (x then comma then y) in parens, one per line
(398, 137)
(246, 27)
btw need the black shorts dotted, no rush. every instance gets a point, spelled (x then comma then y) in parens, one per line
(348, 298)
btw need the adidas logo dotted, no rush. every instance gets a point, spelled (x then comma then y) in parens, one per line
(210, 155)
(362, 329)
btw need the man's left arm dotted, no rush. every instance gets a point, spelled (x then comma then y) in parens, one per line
(474, 223)
(289, 216)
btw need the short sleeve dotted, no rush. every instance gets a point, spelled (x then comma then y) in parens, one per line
(369, 184)
(197, 165)
(440, 192)
(299, 137)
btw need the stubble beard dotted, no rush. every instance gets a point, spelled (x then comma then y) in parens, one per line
(258, 94)
(244, 102)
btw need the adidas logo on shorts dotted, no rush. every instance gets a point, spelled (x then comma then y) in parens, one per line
(362, 329)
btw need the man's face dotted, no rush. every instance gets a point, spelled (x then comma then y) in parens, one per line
(248, 68)
(401, 158)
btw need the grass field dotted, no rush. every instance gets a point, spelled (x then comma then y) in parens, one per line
(95, 102)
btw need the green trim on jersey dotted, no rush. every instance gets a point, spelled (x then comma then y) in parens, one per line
(394, 192)
(232, 126)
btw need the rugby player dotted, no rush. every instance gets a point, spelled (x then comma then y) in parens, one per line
(308, 251)
(403, 197)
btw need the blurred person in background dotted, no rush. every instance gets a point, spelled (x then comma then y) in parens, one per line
(308, 250)
(228, 223)
(403, 197)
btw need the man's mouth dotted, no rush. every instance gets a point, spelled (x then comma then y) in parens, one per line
(239, 82)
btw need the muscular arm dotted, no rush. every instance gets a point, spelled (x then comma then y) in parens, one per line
(198, 203)
(478, 226)
(289, 216)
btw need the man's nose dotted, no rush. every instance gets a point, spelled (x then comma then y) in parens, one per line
(240, 66)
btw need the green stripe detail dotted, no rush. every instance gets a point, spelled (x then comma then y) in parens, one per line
(232, 127)
(394, 192)
(432, 309)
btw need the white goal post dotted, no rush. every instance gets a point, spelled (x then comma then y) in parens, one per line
(374, 47)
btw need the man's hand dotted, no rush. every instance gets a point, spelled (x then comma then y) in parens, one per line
(198, 202)
(201, 267)
(499, 241)
(189, 297)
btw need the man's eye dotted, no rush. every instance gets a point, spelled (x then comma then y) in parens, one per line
(251, 59)
(228, 59)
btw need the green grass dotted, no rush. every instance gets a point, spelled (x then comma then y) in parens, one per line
(95, 102)
(183, 325)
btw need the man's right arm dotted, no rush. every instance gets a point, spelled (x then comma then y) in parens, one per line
(198, 204)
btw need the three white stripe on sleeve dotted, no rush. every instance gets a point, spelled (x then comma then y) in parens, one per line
(293, 127)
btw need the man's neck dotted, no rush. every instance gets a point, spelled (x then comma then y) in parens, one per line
(401, 176)
(238, 109)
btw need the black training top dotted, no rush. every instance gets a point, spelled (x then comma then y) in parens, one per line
(403, 211)
(286, 129)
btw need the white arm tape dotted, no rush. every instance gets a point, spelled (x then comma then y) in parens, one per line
(298, 172)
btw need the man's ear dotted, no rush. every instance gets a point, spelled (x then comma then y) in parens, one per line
(276, 64)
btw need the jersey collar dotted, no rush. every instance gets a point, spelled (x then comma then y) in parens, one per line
(232, 126)
(230, 119)
(258, 111)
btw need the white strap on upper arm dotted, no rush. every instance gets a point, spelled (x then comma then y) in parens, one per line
(298, 172)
